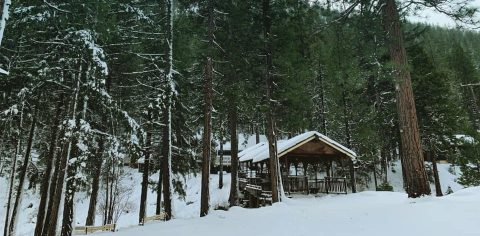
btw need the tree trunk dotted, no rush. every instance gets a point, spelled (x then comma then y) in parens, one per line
(146, 167)
(92, 206)
(107, 193)
(271, 136)
(53, 185)
(232, 123)
(220, 172)
(166, 167)
(71, 168)
(12, 176)
(23, 173)
(46, 181)
(412, 158)
(55, 204)
(158, 207)
(207, 130)
(438, 187)
(206, 140)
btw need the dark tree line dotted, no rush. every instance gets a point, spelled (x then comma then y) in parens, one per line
(93, 84)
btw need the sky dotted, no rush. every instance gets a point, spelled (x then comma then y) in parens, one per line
(429, 16)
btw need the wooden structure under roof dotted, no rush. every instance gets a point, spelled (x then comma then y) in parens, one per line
(324, 166)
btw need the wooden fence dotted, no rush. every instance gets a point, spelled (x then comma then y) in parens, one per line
(91, 229)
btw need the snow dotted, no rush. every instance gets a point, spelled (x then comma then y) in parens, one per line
(2, 71)
(464, 138)
(244, 141)
(366, 213)
(260, 151)
(3, 20)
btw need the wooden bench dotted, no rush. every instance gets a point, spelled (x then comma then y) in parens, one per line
(162, 216)
(254, 190)
(91, 229)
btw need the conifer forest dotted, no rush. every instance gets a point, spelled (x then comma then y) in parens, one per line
(239, 117)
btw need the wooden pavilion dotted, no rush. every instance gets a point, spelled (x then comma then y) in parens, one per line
(324, 166)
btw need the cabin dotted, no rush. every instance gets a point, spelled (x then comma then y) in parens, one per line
(310, 163)
(244, 141)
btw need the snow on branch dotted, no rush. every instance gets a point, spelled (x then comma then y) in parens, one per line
(97, 52)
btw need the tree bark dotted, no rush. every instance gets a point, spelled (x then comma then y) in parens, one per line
(158, 207)
(412, 157)
(220, 172)
(232, 123)
(12, 177)
(46, 181)
(438, 187)
(23, 173)
(271, 136)
(92, 206)
(207, 129)
(146, 167)
(53, 185)
(206, 151)
(166, 164)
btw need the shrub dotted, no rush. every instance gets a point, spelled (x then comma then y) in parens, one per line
(385, 187)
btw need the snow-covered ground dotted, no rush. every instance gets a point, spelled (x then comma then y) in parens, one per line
(366, 213)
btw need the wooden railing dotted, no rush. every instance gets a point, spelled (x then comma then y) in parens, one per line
(242, 183)
(162, 216)
(328, 185)
(295, 184)
(301, 184)
(91, 229)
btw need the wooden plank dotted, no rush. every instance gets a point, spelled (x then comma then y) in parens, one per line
(91, 229)
(162, 216)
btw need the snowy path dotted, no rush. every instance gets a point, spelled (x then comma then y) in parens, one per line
(366, 213)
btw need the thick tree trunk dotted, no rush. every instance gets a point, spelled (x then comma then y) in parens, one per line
(72, 167)
(53, 185)
(271, 136)
(23, 174)
(146, 167)
(207, 129)
(57, 197)
(206, 151)
(166, 164)
(412, 158)
(232, 124)
(92, 206)
(68, 204)
(46, 181)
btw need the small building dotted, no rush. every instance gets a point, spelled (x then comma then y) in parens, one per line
(244, 141)
(325, 166)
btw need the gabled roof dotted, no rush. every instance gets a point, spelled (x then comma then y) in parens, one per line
(259, 152)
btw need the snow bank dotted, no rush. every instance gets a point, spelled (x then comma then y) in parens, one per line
(366, 213)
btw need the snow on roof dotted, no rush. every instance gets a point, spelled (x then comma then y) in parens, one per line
(259, 152)
(244, 141)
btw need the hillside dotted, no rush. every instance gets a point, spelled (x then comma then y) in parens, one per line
(187, 210)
